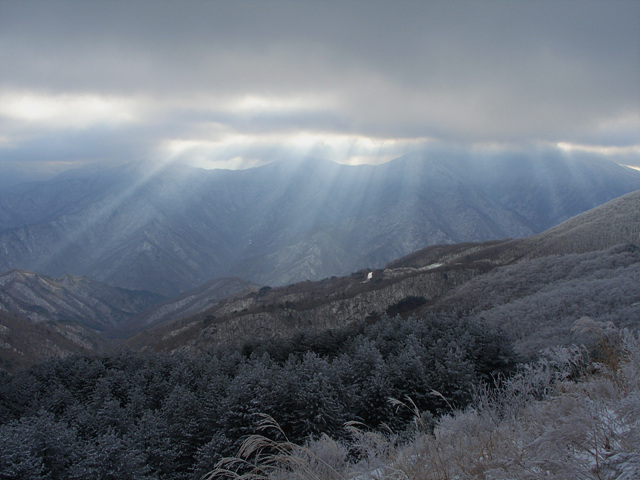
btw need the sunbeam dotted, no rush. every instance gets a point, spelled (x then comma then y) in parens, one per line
(138, 177)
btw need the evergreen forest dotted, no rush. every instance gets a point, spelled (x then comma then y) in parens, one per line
(133, 415)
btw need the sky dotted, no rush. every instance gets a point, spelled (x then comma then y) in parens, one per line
(233, 84)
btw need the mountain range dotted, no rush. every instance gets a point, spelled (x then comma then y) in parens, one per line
(169, 229)
(534, 289)
(521, 285)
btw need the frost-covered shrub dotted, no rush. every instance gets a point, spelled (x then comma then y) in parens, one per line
(585, 429)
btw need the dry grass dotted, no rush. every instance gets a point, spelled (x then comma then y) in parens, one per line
(261, 457)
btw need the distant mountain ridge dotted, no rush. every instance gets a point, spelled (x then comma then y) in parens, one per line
(170, 229)
(70, 299)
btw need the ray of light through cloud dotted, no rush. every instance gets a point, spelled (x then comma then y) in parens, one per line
(237, 151)
(240, 84)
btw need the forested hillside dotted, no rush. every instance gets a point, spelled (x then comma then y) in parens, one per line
(534, 287)
(23, 343)
(537, 301)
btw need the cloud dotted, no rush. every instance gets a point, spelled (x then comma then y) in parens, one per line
(241, 80)
(65, 110)
(243, 151)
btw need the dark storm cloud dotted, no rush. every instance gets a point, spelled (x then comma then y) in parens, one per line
(463, 72)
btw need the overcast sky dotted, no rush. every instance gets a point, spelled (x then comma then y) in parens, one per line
(233, 84)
